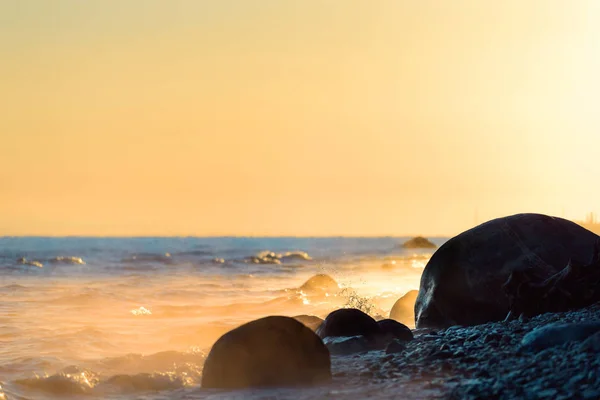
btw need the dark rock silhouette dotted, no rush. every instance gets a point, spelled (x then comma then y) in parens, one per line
(271, 351)
(462, 283)
(404, 308)
(349, 322)
(419, 242)
(395, 329)
(311, 321)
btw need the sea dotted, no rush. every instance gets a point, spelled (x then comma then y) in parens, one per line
(134, 318)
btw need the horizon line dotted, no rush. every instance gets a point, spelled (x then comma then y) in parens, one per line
(220, 236)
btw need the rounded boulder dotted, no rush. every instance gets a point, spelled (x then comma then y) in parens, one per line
(349, 322)
(462, 282)
(268, 352)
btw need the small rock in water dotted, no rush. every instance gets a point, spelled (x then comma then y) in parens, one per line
(558, 334)
(320, 284)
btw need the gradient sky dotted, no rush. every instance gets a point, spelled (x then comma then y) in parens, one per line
(146, 117)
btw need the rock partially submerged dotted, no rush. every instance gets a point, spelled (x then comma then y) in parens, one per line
(462, 282)
(320, 284)
(419, 242)
(271, 351)
(404, 308)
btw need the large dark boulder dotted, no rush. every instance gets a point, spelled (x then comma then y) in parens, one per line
(349, 322)
(271, 351)
(404, 308)
(462, 282)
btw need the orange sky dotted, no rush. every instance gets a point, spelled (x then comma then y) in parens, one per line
(295, 117)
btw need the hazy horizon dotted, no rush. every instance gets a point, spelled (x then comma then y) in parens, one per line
(285, 118)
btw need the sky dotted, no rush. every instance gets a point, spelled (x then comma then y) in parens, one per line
(281, 117)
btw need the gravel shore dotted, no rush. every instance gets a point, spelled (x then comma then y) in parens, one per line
(479, 362)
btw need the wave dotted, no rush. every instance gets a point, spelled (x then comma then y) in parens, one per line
(270, 257)
(14, 287)
(88, 382)
(61, 383)
(163, 361)
(67, 260)
(164, 258)
(131, 373)
(70, 260)
(33, 263)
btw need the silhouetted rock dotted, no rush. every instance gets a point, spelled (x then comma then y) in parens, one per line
(311, 321)
(320, 284)
(271, 351)
(396, 329)
(419, 242)
(349, 322)
(462, 283)
(404, 308)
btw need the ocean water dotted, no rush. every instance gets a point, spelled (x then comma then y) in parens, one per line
(130, 318)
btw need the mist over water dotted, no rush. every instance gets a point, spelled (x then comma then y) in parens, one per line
(113, 317)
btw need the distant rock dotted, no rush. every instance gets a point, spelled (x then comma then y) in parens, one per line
(271, 351)
(462, 284)
(311, 321)
(419, 242)
(404, 308)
